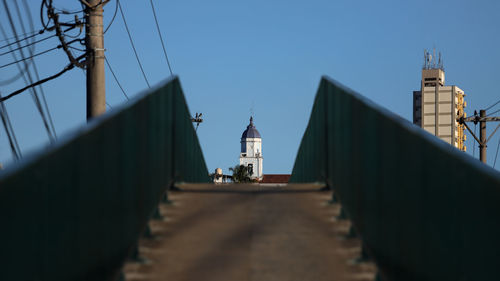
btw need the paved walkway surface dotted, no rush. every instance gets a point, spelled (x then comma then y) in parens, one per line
(250, 232)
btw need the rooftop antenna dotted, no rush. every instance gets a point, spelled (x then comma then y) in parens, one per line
(425, 59)
(440, 63)
(434, 56)
(428, 58)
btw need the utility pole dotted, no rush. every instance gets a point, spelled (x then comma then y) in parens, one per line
(94, 40)
(482, 140)
(482, 136)
(197, 119)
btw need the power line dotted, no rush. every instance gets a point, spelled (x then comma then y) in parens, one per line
(114, 16)
(22, 71)
(29, 34)
(22, 39)
(27, 45)
(489, 107)
(161, 38)
(493, 113)
(34, 42)
(28, 73)
(496, 154)
(14, 145)
(474, 146)
(132, 43)
(116, 79)
(42, 19)
(30, 57)
(17, 92)
(64, 12)
(37, 75)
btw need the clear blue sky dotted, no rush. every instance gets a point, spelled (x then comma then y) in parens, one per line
(235, 56)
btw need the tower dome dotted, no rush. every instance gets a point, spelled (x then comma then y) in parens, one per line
(251, 151)
(250, 132)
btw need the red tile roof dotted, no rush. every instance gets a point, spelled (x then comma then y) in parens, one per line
(275, 178)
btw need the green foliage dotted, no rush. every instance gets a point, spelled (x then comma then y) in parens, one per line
(240, 173)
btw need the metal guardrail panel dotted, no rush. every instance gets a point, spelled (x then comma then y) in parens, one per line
(425, 210)
(75, 211)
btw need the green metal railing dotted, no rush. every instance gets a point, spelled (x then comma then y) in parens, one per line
(76, 211)
(424, 210)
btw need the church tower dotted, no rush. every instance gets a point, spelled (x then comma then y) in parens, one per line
(251, 151)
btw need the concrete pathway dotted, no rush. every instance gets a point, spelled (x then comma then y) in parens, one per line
(250, 232)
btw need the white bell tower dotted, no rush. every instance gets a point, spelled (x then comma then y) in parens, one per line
(251, 151)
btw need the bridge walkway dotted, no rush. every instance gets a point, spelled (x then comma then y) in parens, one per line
(250, 232)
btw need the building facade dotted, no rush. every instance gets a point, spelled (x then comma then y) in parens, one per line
(437, 107)
(251, 151)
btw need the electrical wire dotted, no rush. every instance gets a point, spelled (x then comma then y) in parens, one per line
(37, 75)
(30, 57)
(78, 49)
(474, 146)
(29, 35)
(489, 107)
(27, 77)
(132, 43)
(17, 92)
(113, 19)
(20, 73)
(27, 45)
(19, 40)
(64, 12)
(73, 36)
(496, 154)
(116, 79)
(493, 113)
(161, 38)
(14, 145)
(42, 19)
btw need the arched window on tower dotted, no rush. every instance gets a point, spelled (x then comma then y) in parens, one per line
(250, 169)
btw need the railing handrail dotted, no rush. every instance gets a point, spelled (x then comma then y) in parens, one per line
(424, 210)
(75, 210)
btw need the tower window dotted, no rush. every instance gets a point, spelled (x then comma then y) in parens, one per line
(250, 169)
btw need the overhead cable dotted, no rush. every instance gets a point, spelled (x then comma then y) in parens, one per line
(159, 34)
(496, 154)
(27, 45)
(29, 35)
(10, 134)
(489, 107)
(17, 92)
(473, 146)
(112, 19)
(493, 113)
(132, 43)
(116, 79)
(22, 71)
(30, 57)
(37, 75)
(19, 40)
(27, 75)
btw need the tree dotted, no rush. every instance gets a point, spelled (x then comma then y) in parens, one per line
(240, 174)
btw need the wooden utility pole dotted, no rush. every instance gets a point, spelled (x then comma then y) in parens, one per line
(482, 140)
(94, 39)
(482, 136)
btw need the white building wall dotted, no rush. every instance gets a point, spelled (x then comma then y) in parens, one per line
(445, 111)
(252, 155)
